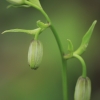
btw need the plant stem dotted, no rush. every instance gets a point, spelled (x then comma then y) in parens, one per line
(83, 64)
(64, 80)
(64, 71)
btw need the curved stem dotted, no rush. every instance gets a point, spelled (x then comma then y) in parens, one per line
(83, 64)
(37, 34)
(64, 71)
(64, 76)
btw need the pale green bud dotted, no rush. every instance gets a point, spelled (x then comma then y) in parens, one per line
(83, 89)
(35, 54)
(16, 2)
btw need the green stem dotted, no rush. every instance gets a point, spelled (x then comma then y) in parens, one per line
(83, 64)
(64, 71)
(64, 76)
(37, 34)
(64, 80)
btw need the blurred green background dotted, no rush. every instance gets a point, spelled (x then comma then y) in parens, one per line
(71, 18)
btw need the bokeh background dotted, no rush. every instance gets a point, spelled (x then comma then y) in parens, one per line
(71, 18)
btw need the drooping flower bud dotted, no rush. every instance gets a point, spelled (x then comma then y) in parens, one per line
(35, 54)
(16, 2)
(83, 89)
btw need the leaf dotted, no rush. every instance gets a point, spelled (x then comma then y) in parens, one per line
(88, 34)
(42, 25)
(36, 2)
(70, 47)
(9, 6)
(32, 32)
(16, 6)
(86, 39)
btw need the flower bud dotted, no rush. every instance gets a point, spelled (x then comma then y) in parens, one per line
(16, 2)
(35, 54)
(83, 89)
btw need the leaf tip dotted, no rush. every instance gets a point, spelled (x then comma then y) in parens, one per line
(3, 32)
(95, 21)
(68, 40)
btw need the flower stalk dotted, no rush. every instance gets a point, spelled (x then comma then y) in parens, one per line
(35, 52)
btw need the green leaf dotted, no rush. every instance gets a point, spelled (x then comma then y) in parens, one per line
(70, 47)
(16, 6)
(87, 36)
(36, 2)
(32, 32)
(42, 25)
(86, 39)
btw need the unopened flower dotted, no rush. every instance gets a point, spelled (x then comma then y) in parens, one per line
(35, 54)
(83, 89)
(16, 2)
